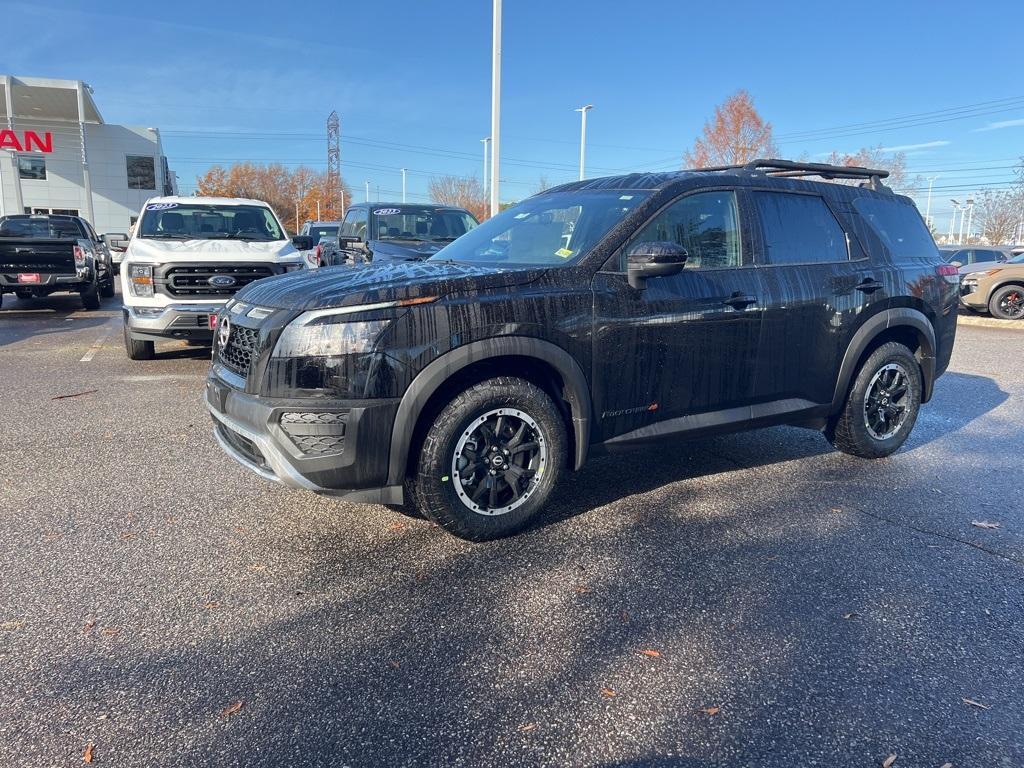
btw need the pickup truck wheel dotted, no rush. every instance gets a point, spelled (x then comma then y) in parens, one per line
(138, 350)
(490, 460)
(1007, 303)
(91, 297)
(882, 405)
(107, 286)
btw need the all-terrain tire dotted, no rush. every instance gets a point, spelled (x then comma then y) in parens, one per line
(850, 432)
(440, 496)
(138, 350)
(91, 297)
(107, 286)
(1007, 303)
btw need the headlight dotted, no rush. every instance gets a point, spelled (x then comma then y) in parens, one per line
(315, 335)
(140, 280)
(293, 267)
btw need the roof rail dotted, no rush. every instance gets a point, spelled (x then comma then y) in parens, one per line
(789, 168)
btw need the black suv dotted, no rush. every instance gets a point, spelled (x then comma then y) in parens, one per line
(593, 317)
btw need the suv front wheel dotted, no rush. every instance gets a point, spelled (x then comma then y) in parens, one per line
(882, 404)
(491, 459)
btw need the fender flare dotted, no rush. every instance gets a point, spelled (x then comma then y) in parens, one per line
(433, 376)
(872, 327)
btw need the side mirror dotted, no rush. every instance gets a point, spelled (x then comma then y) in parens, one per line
(117, 241)
(303, 242)
(657, 259)
(351, 243)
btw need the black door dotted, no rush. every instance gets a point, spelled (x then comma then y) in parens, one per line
(818, 282)
(686, 344)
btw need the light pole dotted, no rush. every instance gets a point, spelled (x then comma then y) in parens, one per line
(496, 109)
(367, 190)
(952, 220)
(485, 142)
(928, 208)
(583, 136)
(403, 185)
(970, 218)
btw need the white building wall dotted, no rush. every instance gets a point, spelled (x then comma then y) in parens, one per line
(108, 147)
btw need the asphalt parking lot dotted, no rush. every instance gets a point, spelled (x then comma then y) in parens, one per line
(752, 599)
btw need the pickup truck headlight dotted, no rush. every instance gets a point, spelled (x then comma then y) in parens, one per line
(140, 280)
(313, 334)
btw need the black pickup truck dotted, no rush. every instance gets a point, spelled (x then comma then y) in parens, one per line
(40, 255)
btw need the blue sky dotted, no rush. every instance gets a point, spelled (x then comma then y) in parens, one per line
(411, 81)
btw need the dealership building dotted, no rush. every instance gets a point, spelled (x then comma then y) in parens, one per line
(57, 155)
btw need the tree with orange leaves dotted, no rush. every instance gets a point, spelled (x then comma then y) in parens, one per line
(736, 134)
(462, 192)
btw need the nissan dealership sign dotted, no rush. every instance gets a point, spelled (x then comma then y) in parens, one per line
(26, 141)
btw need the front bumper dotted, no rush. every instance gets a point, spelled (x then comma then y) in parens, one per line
(176, 321)
(335, 448)
(971, 297)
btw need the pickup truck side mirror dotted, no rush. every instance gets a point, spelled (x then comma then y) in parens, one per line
(655, 259)
(303, 242)
(351, 243)
(118, 241)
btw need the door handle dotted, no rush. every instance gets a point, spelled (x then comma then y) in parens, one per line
(740, 300)
(869, 285)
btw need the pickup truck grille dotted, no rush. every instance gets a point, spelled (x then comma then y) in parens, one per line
(237, 355)
(191, 280)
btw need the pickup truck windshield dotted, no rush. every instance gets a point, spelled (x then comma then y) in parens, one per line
(184, 221)
(431, 224)
(41, 227)
(547, 230)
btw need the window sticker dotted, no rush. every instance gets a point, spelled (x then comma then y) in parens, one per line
(625, 197)
(161, 206)
(565, 253)
(387, 211)
(522, 215)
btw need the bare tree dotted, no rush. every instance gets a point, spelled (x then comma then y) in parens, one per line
(875, 157)
(998, 215)
(736, 134)
(542, 184)
(463, 192)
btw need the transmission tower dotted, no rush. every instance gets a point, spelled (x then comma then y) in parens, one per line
(334, 161)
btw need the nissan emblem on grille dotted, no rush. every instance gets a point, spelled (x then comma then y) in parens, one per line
(225, 332)
(222, 281)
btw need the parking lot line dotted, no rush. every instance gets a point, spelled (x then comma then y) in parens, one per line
(98, 344)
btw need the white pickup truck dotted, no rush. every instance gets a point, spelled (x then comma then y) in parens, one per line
(188, 256)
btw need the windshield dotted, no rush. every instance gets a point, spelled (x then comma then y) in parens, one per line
(42, 227)
(185, 221)
(550, 230)
(1018, 259)
(438, 225)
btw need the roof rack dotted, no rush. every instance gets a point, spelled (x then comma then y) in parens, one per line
(789, 168)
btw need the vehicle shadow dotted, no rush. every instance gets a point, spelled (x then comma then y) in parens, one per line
(21, 319)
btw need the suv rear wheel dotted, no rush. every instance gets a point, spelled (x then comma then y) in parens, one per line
(491, 459)
(882, 404)
(1007, 303)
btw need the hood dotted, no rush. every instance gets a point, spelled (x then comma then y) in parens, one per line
(348, 285)
(404, 250)
(164, 251)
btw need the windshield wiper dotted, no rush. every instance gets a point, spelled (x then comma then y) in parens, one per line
(442, 239)
(168, 236)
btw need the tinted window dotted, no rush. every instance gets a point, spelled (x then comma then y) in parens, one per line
(707, 225)
(31, 167)
(987, 256)
(40, 227)
(420, 224)
(900, 227)
(951, 256)
(355, 223)
(799, 229)
(141, 172)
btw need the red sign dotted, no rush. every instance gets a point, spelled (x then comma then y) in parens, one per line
(27, 142)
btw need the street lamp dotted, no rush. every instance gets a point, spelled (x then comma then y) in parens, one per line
(367, 190)
(952, 220)
(970, 218)
(495, 108)
(485, 142)
(403, 185)
(583, 136)
(928, 209)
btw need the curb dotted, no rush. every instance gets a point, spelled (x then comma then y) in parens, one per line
(990, 322)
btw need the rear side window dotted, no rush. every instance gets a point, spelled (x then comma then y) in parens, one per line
(799, 229)
(899, 227)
